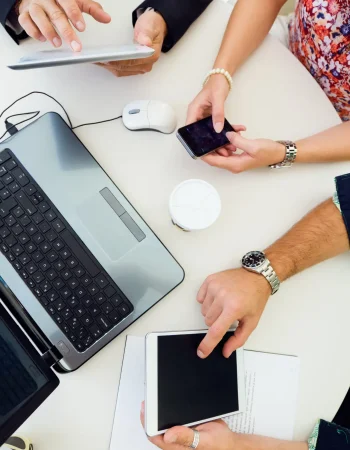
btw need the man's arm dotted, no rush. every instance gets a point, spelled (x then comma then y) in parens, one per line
(9, 20)
(178, 15)
(241, 295)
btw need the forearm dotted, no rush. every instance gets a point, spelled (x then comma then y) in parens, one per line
(330, 145)
(250, 442)
(318, 236)
(249, 24)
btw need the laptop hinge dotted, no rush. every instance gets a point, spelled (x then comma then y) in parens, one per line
(52, 356)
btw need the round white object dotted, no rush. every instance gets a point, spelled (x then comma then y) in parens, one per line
(194, 205)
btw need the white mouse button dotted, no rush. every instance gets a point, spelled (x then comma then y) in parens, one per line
(134, 111)
(161, 117)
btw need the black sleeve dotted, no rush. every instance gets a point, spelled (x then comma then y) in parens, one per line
(178, 15)
(5, 9)
(332, 437)
(343, 189)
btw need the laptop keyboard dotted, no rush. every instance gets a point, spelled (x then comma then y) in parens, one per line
(54, 263)
(16, 385)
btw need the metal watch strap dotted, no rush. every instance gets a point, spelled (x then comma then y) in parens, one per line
(272, 278)
(291, 154)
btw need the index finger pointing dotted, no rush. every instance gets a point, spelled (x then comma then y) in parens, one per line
(215, 334)
(71, 8)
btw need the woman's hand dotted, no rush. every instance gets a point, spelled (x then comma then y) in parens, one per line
(256, 153)
(54, 19)
(210, 101)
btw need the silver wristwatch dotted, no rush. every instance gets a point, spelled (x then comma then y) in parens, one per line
(257, 262)
(291, 154)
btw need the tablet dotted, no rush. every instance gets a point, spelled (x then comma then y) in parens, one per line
(182, 389)
(64, 57)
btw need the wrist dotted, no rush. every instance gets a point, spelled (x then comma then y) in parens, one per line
(160, 23)
(218, 83)
(280, 263)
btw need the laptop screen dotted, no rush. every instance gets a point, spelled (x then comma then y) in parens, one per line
(25, 381)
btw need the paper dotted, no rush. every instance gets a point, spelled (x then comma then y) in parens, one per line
(271, 395)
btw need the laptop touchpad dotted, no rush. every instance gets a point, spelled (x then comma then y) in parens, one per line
(109, 224)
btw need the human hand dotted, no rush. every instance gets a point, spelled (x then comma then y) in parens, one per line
(256, 153)
(150, 30)
(210, 101)
(228, 296)
(52, 19)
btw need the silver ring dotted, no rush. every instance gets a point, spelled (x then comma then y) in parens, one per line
(195, 442)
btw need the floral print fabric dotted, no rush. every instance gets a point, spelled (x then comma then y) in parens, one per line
(319, 36)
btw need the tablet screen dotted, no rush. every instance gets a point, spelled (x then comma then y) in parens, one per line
(191, 389)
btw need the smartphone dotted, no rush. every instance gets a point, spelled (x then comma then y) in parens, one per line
(182, 389)
(200, 138)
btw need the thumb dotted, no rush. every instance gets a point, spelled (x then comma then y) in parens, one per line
(180, 436)
(247, 145)
(144, 37)
(218, 113)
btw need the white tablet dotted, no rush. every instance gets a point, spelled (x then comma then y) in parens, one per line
(182, 389)
(64, 57)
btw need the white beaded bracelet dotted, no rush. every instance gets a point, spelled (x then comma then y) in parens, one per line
(219, 72)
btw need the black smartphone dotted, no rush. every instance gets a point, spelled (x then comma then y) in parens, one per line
(200, 138)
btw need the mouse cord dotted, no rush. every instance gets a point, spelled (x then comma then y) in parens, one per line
(12, 129)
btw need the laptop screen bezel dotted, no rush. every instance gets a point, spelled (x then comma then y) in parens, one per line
(15, 421)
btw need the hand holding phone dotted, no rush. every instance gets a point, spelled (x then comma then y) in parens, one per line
(200, 138)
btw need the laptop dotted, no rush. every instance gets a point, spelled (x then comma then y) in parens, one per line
(78, 263)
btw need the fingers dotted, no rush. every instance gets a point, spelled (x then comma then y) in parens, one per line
(247, 145)
(223, 152)
(95, 10)
(142, 414)
(203, 291)
(43, 23)
(213, 313)
(30, 28)
(218, 113)
(239, 128)
(60, 21)
(240, 337)
(73, 12)
(234, 163)
(180, 436)
(215, 334)
(120, 74)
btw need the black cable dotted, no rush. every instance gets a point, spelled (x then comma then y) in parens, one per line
(35, 114)
(96, 123)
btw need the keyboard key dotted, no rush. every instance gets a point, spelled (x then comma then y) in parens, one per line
(17, 265)
(72, 301)
(31, 268)
(102, 281)
(3, 171)
(10, 220)
(100, 298)
(50, 215)
(45, 286)
(37, 218)
(107, 308)
(25, 220)
(44, 227)
(51, 275)
(65, 293)
(44, 265)
(58, 225)
(14, 187)
(17, 229)
(110, 291)
(59, 265)
(116, 301)
(80, 292)
(26, 204)
(38, 277)
(87, 341)
(30, 189)
(86, 280)
(58, 283)
(51, 236)
(52, 256)
(52, 295)
(65, 253)
(87, 301)
(4, 194)
(4, 232)
(38, 238)
(43, 207)
(18, 211)
(30, 248)
(59, 304)
(31, 229)
(124, 309)
(20, 176)
(51, 310)
(23, 238)
(114, 317)
(17, 250)
(65, 328)
(66, 274)
(95, 331)
(73, 283)
(44, 301)
(37, 257)
(80, 311)
(67, 313)
(11, 257)
(24, 259)
(11, 241)
(73, 322)
(6, 206)
(39, 197)
(31, 283)
(87, 320)
(80, 346)
(81, 333)
(37, 292)
(4, 156)
(79, 271)
(4, 248)
(104, 322)
(7, 179)
(58, 245)
(45, 247)
(94, 310)
(11, 164)
(57, 318)
(72, 337)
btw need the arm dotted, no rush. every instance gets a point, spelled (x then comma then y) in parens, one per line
(245, 32)
(177, 14)
(9, 20)
(241, 295)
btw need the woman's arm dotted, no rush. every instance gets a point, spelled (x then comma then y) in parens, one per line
(249, 24)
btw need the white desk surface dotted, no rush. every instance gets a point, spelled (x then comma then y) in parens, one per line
(275, 97)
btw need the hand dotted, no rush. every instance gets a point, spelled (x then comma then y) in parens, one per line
(49, 19)
(210, 101)
(229, 296)
(150, 30)
(256, 153)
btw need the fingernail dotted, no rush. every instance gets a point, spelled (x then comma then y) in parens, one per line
(75, 46)
(80, 26)
(218, 127)
(200, 354)
(56, 42)
(42, 38)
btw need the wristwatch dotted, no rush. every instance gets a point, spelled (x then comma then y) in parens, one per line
(257, 262)
(291, 154)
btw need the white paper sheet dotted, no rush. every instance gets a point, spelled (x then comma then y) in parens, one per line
(271, 387)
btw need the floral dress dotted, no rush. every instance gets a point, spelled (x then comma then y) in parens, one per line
(319, 36)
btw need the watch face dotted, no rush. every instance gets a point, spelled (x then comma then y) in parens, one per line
(253, 260)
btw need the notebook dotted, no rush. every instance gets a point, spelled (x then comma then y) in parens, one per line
(271, 397)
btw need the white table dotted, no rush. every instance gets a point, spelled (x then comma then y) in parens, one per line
(275, 97)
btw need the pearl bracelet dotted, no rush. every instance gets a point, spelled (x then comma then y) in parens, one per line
(219, 72)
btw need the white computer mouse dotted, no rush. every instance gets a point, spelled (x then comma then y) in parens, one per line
(149, 115)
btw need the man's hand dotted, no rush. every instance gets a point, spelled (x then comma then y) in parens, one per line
(55, 19)
(150, 30)
(255, 153)
(210, 101)
(229, 296)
